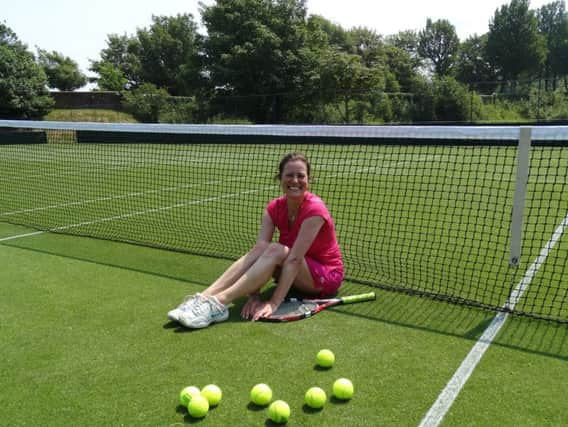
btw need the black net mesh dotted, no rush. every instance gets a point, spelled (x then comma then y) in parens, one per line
(423, 210)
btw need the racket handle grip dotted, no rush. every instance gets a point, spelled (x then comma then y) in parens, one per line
(358, 298)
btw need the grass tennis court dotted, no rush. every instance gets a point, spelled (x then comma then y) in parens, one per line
(83, 319)
(426, 217)
(86, 342)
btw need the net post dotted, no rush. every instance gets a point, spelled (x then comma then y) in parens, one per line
(523, 153)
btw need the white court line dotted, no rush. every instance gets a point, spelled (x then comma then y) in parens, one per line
(59, 174)
(120, 196)
(66, 227)
(386, 166)
(447, 397)
(144, 212)
(174, 188)
(19, 236)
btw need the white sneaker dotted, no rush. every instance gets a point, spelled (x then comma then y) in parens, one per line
(204, 312)
(187, 303)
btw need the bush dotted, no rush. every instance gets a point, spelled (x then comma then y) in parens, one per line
(146, 103)
(558, 111)
(547, 105)
(401, 106)
(421, 101)
(453, 102)
(221, 119)
(179, 110)
(500, 111)
(380, 109)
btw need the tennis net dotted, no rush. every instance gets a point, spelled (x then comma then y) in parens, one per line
(473, 215)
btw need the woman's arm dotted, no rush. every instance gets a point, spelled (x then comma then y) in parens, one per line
(266, 228)
(306, 236)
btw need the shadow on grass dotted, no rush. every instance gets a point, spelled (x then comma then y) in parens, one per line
(174, 265)
(321, 368)
(410, 311)
(234, 316)
(334, 400)
(270, 423)
(519, 333)
(170, 324)
(309, 410)
(256, 408)
(188, 419)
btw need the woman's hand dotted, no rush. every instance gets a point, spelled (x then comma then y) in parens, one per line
(250, 307)
(264, 309)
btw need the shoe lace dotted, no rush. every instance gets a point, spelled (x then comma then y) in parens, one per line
(188, 301)
(204, 306)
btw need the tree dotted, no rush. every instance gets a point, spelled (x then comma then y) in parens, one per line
(422, 107)
(553, 26)
(345, 80)
(453, 102)
(408, 41)
(514, 46)
(110, 78)
(473, 68)
(23, 83)
(348, 83)
(169, 54)
(254, 52)
(62, 72)
(335, 34)
(119, 59)
(400, 64)
(439, 43)
(368, 45)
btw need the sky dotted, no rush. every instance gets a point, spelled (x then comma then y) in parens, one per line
(79, 29)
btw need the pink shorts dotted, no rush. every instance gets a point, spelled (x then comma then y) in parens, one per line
(326, 279)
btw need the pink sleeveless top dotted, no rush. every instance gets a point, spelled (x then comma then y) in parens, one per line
(325, 248)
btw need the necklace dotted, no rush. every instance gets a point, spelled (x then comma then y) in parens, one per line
(293, 213)
(292, 216)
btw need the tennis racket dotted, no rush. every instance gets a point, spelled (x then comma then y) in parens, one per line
(298, 309)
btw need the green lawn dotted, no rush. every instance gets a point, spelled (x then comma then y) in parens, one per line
(90, 115)
(515, 383)
(427, 218)
(85, 341)
(85, 338)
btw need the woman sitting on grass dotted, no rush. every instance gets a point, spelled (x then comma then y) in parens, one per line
(306, 257)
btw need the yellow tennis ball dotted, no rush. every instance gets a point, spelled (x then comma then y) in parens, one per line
(315, 398)
(325, 358)
(343, 389)
(187, 393)
(198, 406)
(279, 411)
(261, 395)
(212, 393)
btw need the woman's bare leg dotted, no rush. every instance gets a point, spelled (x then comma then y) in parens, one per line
(256, 276)
(236, 270)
